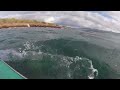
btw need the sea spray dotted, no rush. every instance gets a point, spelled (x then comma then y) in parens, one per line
(68, 61)
(75, 66)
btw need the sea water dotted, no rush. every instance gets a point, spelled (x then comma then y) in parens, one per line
(69, 53)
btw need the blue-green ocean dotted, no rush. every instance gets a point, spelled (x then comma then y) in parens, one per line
(69, 53)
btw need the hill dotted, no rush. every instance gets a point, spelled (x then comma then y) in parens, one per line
(12, 22)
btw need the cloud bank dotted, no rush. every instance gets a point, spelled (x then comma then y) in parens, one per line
(103, 20)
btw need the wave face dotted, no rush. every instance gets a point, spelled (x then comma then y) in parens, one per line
(61, 53)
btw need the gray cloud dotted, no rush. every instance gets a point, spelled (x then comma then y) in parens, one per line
(93, 19)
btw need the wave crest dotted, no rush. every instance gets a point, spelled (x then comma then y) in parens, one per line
(77, 67)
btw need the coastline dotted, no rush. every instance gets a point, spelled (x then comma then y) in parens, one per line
(27, 25)
(12, 22)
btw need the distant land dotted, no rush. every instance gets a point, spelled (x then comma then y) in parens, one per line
(12, 22)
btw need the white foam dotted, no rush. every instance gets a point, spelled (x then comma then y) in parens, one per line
(39, 52)
(24, 53)
(5, 54)
(91, 76)
(28, 52)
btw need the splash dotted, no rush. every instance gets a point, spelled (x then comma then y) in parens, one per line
(91, 76)
(9, 54)
(74, 65)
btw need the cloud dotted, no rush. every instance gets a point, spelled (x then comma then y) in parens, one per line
(50, 19)
(104, 20)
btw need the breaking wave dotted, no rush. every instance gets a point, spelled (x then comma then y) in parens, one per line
(75, 67)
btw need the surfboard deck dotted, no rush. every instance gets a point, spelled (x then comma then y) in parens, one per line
(7, 72)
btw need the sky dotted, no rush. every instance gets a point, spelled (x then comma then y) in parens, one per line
(103, 20)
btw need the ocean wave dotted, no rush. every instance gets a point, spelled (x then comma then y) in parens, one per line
(77, 67)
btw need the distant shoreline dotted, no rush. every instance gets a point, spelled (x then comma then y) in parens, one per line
(25, 25)
(12, 23)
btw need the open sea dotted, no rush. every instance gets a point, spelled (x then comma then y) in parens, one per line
(69, 53)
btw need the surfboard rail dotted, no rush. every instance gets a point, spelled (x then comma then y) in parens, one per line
(7, 72)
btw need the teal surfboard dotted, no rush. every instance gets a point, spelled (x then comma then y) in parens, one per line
(7, 72)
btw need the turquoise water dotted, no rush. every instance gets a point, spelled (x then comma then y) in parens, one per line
(70, 53)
